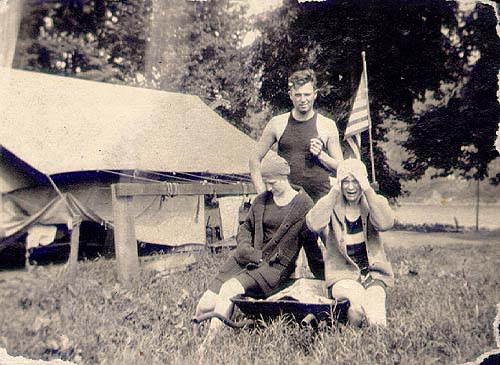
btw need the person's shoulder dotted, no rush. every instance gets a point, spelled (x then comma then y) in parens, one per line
(304, 199)
(325, 122)
(324, 118)
(261, 198)
(280, 118)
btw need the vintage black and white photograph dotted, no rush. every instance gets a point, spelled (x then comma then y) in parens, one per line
(249, 182)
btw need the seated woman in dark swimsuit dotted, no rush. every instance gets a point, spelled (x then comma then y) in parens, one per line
(268, 240)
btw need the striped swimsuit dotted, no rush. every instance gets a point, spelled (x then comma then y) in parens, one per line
(356, 246)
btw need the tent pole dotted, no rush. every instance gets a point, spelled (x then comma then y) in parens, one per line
(477, 205)
(75, 245)
(59, 192)
(2, 229)
(56, 188)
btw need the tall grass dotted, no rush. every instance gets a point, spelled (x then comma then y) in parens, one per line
(440, 312)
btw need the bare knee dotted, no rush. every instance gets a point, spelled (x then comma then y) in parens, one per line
(206, 303)
(355, 314)
(348, 289)
(231, 288)
(355, 293)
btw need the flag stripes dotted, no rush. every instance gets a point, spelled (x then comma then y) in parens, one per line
(357, 130)
(359, 118)
(355, 144)
(354, 120)
(358, 109)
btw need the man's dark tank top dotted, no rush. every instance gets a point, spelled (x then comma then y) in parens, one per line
(305, 169)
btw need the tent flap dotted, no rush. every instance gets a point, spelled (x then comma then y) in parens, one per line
(169, 221)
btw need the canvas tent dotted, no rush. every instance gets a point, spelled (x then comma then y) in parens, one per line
(15, 173)
(36, 210)
(74, 131)
(60, 124)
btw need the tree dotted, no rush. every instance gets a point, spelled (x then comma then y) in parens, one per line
(460, 124)
(174, 45)
(101, 40)
(196, 48)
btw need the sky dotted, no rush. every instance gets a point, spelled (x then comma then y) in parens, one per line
(259, 6)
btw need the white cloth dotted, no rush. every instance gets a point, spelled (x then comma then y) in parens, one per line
(305, 291)
(6, 359)
(229, 207)
(174, 221)
(40, 235)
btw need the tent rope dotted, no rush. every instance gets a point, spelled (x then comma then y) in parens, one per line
(172, 176)
(240, 177)
(59, 192)
(208, 178)
(132, 176)
(169, 176)
(172, 188)
(198, 178)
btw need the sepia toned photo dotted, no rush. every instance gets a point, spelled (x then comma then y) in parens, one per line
(249, 181)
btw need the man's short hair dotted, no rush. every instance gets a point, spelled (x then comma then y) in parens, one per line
(302, 77)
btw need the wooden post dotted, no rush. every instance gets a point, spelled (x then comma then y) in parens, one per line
(2, 230)
(75, 246)
(127, 258)
(27, 265)
(477, 206)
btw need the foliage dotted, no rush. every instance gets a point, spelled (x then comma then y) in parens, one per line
(196, 48)
(102, 40)
(431, 65)
(457, 132)
(408, 57)
(440, 311)
(180, 45)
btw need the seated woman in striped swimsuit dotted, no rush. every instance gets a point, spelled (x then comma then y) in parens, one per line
(348, 220)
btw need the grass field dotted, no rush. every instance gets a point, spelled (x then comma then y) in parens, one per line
(440, 311)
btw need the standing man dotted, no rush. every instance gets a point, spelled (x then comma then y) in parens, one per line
(308, 141)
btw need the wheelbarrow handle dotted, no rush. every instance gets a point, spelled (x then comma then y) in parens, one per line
(226, 321)
(309, 320)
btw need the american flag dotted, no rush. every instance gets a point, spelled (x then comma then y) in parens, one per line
(359, 120)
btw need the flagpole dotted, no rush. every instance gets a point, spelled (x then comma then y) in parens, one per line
(374, 180)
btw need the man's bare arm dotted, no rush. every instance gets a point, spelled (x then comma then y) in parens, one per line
(333, 155)
(263, 146)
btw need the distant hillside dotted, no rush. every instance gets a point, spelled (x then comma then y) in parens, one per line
(448, 190)
(451, 190)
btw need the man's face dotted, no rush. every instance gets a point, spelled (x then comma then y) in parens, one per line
(351, 189)
(303, 97)
(276, 185)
